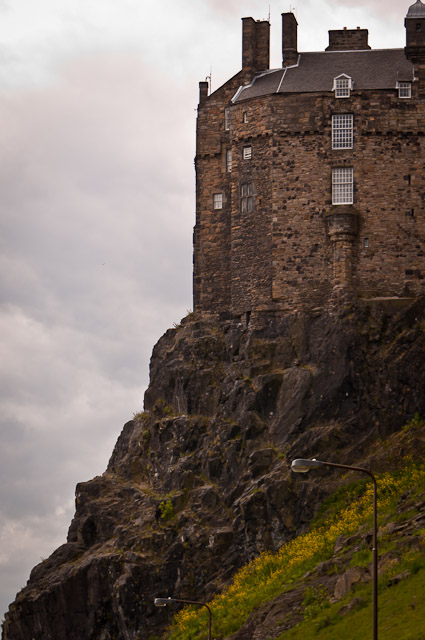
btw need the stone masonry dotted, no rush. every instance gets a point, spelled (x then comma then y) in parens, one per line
(272, 233)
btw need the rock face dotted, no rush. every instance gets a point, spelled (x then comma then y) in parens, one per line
(199, 483)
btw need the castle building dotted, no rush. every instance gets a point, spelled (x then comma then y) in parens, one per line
(310, 181)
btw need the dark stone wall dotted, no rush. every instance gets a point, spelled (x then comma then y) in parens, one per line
(280, 255)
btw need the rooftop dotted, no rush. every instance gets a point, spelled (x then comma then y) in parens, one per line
(417, 10)
(368, 69)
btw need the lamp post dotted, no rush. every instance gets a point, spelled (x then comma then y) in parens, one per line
(162, 602)
(302, 466)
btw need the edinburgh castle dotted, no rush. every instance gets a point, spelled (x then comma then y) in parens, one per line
(310, 177)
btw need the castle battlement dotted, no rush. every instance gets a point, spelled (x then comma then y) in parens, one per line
(311, 177)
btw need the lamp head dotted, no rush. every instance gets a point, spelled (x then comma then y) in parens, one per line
(302, 466)
(162, 602)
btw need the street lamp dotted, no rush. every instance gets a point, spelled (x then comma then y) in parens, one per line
(302, 466)
(162, 602)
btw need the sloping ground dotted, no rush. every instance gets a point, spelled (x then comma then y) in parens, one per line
(199, 484)
(291, 595)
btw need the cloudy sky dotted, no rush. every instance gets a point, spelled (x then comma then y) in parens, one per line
(97, 119)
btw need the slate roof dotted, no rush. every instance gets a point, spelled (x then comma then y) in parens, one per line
(369, 69)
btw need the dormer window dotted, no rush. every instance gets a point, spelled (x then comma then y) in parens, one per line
(404, 89)
(342, 86)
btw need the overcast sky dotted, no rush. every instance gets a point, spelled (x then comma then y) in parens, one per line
(97, 121)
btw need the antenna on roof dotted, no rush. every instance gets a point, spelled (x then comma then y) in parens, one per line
(269, 14)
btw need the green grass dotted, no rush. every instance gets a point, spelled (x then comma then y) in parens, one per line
(400, 616)
(271, 574)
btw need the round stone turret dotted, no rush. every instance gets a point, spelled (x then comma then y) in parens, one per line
(417, 10)
(342, 223)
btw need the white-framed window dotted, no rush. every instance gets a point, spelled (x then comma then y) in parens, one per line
(404, 89)
(342, 131)
(342, 86)
(217, 200)
(247, 153)
(247, 197)
(228, 160)
(342, 185)
(227, 119)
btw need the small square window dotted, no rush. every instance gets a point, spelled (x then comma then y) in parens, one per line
(228, 160)
(342, 185)
(227, 119)
(404, 89)
(218, 200)
(342, 131)
(247, 153)
(247, 197)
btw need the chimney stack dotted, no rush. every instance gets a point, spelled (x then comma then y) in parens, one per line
(255, 47)
(289, 40)
(348, 39)
(203, 91)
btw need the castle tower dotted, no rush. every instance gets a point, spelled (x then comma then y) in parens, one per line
(415, 37)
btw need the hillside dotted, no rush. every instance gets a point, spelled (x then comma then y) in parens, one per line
(318, 585)
(199, 483)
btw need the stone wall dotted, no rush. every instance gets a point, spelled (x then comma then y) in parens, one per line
(290, 252)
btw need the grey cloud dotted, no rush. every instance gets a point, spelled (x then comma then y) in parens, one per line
(98, 208)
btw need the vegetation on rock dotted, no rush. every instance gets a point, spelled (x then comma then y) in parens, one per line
(346, 512)
(199, 485)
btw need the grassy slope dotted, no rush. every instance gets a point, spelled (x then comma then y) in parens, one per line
(344, 514)
(401, 615)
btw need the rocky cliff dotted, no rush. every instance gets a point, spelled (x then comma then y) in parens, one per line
(199, 483)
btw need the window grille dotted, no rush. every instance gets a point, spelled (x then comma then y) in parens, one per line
(342, 131)
(218, 200)
(247, 197)
(247, 153)
(342, 185)
(404, 90)
(342, 86)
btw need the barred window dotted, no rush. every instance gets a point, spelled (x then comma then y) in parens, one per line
(218, 201)
(342, 86)
(247, 197)
(228, 160)
(247, 153)
(342, 185)
(404, 89)
(342, 131)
